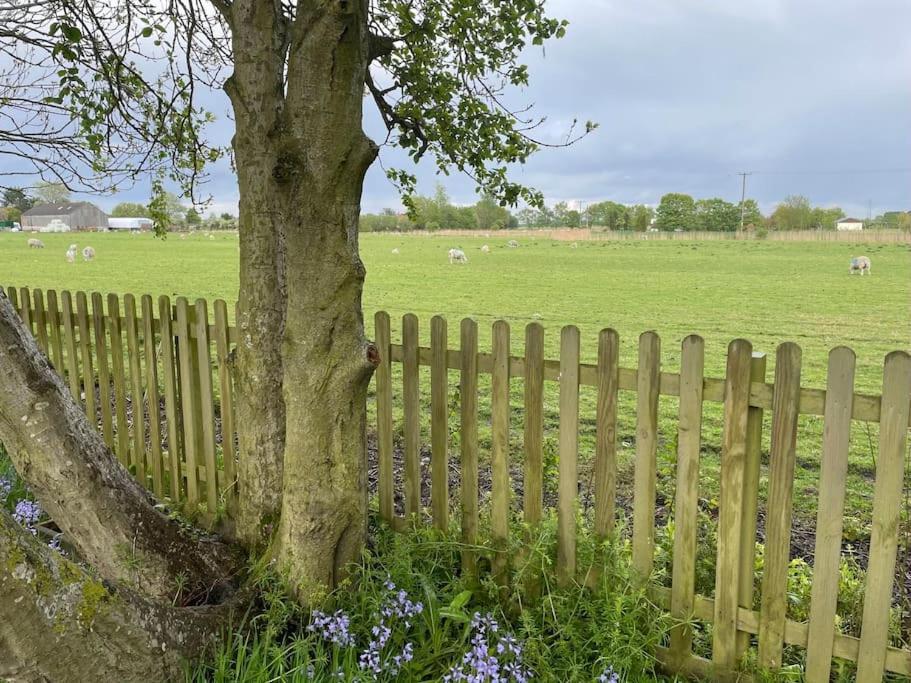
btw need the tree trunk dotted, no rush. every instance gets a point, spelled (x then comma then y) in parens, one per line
(305, 187)
(110, 518)
(59, 623)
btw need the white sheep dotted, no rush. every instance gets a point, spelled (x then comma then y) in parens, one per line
(88, 253)
(512, 244)
(485, 249)
(71, 255)
(457, 256)
(395, 251)
(35, 243)
(862, 264)
(574, 245)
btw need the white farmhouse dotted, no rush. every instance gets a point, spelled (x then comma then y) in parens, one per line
(849, 224)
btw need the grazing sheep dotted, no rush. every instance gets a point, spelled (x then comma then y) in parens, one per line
(183, 235)
(395, 251)
(71, 255)
(88, 253)
(574, 245)
(512, 244)
(862, 264)
(35, 244)
(457, 256)
(485, 249)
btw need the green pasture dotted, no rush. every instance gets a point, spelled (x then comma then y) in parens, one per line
(766, 292)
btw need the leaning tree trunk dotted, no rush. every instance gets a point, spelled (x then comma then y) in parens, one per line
(300, 196)
(111, 519)
(60, 623)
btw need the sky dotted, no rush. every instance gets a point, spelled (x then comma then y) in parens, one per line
(811, 97)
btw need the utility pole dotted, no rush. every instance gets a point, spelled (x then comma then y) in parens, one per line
(743, 195)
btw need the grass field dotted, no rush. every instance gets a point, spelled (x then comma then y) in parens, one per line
(765, 292)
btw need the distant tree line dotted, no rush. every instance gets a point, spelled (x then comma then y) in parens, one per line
(438, 212)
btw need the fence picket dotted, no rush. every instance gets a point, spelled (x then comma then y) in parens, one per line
(69, 338)
(207, 404)
(53, 320)
(85, 350)
(411, 399)
(686, 498)
(829, 519)
(499, 451)
(226, 389)
(384, 443)
(171, 402)
(468, 443)
(188, 402)
(782, 460)
(104, 370)
(733, 453)
(13, 297)
(568, 485)
(118, 374)
(606, 436)
(41, 321)
(887, 504)
(533, 477)
(648, 378)
(138, 457)
(439, 423)
(25, 311)
(150, 358)
(751, 467)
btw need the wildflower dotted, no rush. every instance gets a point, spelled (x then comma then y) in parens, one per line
(609, 676)
(5, 487)
(27, 513)
(332, 628)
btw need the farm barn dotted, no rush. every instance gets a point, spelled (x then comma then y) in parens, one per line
(64, 217)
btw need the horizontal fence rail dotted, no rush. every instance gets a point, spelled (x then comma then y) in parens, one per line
(155, 377)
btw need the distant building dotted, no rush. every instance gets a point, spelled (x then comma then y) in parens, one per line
(849, 224)
(64, 217)
(129, 223)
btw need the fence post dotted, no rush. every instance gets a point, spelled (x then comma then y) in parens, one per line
(69, 334)
(439, 423)
(468, 391)
(499, 451)
(785, 412)
(887, 504)
(606, 433)
(384, 444)
(25, 299)
(411, 399)
(832, 476)
(568, 485)
(533, 478)
(733, 454)
(686, 498)
(647, 387)
(750, 498)
(188, 402)
(41, 321)
(206, 404)
(53, 319)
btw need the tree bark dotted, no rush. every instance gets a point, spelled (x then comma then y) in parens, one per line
(59, 623)
(305, 182)
(256, 92)
(111, 520)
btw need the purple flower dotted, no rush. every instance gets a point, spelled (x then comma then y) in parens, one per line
(609, 676)
(5, 487)
(27, 513)
(332, 628)
(492, 657)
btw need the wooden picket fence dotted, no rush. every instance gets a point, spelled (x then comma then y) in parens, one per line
(170, 361)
